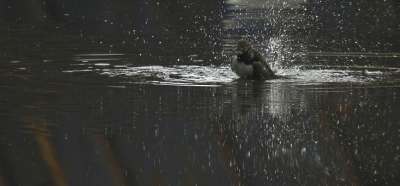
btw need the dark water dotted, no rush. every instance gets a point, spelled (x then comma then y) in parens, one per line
(141, 93)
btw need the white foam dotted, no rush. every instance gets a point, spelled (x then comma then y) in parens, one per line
(194, 74)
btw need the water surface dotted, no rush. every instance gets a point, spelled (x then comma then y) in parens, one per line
(118, 93)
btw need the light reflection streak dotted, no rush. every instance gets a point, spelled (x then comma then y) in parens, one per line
(100, 54)
(42, 136)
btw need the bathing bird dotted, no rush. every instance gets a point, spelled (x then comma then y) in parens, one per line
(250, 64)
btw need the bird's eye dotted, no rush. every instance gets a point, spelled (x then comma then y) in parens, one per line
(241, 45)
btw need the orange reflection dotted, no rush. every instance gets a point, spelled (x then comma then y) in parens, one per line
(49, 157)
(41, 135)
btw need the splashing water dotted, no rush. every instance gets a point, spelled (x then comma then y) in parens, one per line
(178, 74)
(197, 75)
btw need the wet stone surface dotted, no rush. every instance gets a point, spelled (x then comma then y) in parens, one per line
(141, 93)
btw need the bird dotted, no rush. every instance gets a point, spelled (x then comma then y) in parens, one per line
(250, 64)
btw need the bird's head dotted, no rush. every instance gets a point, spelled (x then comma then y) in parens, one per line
(243, 46)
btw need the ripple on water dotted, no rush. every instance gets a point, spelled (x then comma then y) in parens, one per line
(192, 75)
(178, 74)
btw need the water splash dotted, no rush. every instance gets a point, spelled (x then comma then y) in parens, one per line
(178, 74)
(217, 75)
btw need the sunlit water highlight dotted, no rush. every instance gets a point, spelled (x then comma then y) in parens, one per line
(223, 75)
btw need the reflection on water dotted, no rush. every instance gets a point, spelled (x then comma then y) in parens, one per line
(312, 134)
(81, 101)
